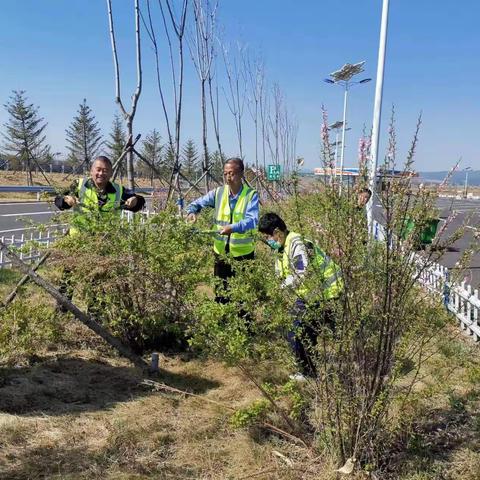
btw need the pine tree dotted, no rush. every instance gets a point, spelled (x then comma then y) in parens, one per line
(217, 161)
(190, 160)
(83, 137)
(24, 138)
(152, 150)
(118, 138)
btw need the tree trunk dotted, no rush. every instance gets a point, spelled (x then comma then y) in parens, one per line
(130, 174)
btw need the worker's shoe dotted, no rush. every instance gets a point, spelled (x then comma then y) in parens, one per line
(298, 377)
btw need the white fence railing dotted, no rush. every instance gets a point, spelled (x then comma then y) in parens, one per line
(460, 299)
(35, 238)
(44, 236)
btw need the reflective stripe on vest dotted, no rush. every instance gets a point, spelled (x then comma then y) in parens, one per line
(331, 285)
(239, 243)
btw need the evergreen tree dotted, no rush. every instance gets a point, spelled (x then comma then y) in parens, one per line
(217, 161)
(83, 137)
(190, 164)
(118, 139)
(152, 150)
(24, 138)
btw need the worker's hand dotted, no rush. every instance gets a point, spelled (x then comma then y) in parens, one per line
(226, 230)
(191, 217)
(131, 202)
(70, 200)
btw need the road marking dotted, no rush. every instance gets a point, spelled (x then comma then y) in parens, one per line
(23, 214)
(21, 203)
(33, 228)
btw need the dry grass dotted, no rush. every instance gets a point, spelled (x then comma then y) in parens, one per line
(80, 412)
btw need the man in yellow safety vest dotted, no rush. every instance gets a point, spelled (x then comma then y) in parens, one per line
(236, 219)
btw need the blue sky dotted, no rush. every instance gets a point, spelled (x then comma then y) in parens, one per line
(59, 52)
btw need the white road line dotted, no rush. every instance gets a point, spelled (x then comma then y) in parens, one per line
(24, 214)
(32, 228)
(21, 203)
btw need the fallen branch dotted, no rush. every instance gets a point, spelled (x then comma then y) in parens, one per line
(25, 279)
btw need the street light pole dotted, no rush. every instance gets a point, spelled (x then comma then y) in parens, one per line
(343, 77)
(377, 110)
(342, 151)
(466, 181)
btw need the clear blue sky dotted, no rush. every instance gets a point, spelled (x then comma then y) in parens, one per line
(59, 52)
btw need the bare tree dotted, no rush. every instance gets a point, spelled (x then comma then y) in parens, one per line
(128, 116)
(236, 88)
(254, 71)
(214, 106)
(203, 54)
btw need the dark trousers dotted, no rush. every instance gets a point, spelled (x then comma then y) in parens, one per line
(306, 323)
(224, 271)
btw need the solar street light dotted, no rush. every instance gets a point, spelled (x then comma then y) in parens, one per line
(344, 77)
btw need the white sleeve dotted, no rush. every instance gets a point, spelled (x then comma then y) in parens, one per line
(298, 259)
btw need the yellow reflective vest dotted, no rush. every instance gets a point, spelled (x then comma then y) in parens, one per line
(239, 243)
(331, 283)
(88, 203)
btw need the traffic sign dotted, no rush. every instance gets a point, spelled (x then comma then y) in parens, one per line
(273, 173)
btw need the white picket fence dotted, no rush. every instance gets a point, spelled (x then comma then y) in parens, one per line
(38, 240)
(460, 299)
(45, 237)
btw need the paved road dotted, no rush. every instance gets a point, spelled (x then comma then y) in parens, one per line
(16, 217)
(466, 214)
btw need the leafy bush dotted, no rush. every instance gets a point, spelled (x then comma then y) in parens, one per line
(138, 277)
(26, 328)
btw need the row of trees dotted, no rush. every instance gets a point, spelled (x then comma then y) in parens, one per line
(25, 146)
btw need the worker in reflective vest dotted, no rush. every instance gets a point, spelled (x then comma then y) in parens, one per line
(293, 255)
(236, 219)
(97, 194)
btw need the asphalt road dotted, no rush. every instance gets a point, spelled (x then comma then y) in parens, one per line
(16, 218)
(21, 216)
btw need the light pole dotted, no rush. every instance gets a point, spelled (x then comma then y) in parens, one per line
(466, 170)
(343, 77)
(336, 126)
(377, 110)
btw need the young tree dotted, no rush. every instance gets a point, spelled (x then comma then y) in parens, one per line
(117, 141)
(217, 160)
(190, 160)
(152, 149)
(84, 137)
(128, 116)
(203, 55)
(24, 137)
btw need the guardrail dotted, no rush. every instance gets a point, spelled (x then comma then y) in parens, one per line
(461, 300)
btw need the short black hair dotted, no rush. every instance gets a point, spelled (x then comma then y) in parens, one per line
(238, 162)
(104, 159)
(366, 190)
(269, 222)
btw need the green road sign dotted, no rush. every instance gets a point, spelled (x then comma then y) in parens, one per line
(273, 173)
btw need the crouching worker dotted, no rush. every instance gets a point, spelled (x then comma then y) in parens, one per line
(312, 309)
